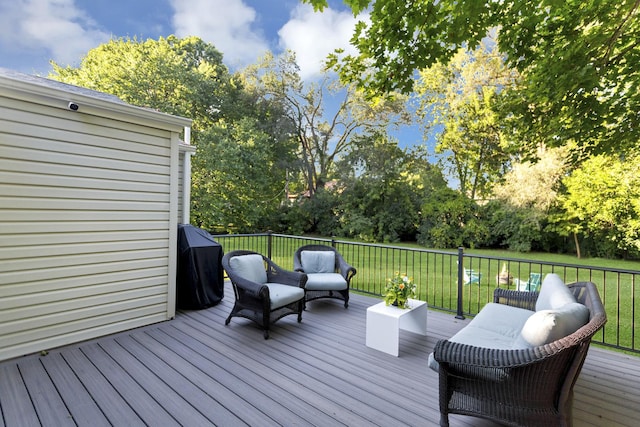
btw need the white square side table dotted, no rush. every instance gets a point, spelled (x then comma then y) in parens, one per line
(384, 324)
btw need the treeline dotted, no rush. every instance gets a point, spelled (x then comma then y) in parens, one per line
(594, 214)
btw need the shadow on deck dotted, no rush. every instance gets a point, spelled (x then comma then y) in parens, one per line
(194, 371)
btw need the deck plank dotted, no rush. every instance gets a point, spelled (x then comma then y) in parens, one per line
(135, 396)
(82, 407)
(161, 392)
(14, 398)
(184, 382)
(48, 404)
(221, 385)
(293, 372)
(194, 370)
(111, 403)
(267, 386)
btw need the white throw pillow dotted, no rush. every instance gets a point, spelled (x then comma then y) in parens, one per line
(554, 294)
(250, 267)
(318, 262)
(546, 326)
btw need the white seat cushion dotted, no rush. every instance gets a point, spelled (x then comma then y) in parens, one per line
(496, 326)
(325, 282)
(250, 267)
(554, 294)
(281, 295)
(318, 261)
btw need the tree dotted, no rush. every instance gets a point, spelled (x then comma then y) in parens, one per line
(384, 188)
(450, 219)
(534, 186)
(184, 77)
(519, 212)
(322, 136)
(577, 60)
(458, 99)
(602, 204)
(239, 177)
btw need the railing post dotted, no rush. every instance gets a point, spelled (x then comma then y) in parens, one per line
(333, 242)
(269, 238)
(459, 314)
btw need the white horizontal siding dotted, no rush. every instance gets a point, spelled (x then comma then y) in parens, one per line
(88, 215)
(139, 271)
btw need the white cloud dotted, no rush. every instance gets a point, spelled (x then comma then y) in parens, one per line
(64, 31)
(227, 24)
(312, 36)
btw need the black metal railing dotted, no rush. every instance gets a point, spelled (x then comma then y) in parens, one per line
(461, 283)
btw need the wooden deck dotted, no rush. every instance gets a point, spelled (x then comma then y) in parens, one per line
(194, 371)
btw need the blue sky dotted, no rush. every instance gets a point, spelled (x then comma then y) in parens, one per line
(33, 32)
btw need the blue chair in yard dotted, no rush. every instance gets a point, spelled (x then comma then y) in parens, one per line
(532, 285)
(471, 277)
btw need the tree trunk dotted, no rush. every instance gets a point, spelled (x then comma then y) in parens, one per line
(577, 243)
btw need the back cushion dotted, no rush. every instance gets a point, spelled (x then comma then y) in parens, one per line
(318, 261)
(249, 267)
(546, 326)
(554, 294)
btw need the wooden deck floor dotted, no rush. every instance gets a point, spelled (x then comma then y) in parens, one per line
(194, 371)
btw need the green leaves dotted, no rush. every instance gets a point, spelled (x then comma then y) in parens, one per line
(356, 6)
(577, 58)
(459, 99)
(402, 37)
(575, 90)
(239, 175)
(326, 115)
(184, 77)
(602, 202)
(382, 190)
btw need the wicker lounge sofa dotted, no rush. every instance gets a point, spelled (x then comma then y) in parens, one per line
(517, 361)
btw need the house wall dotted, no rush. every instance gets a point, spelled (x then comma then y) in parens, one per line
(89, 204)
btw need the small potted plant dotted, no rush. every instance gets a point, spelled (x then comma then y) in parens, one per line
(399, 289)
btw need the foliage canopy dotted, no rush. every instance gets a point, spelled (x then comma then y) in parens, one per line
(602, 203)
(325, 114)
(184, 77)
(578, 60)
(458, 99)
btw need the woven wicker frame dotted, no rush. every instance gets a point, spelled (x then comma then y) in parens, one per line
(342, 267)
(252, 299)
(529, 387)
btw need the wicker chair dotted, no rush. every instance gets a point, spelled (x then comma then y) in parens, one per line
(335, 279)
(264, 292)
(527, 387)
